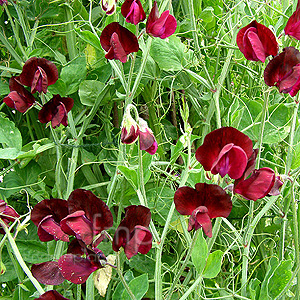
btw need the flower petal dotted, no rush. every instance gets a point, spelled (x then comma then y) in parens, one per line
(47, 273)
(186, 200)
(51, 295)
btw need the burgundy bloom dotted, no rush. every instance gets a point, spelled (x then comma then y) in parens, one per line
(283, 71)
(133, 12)
(205, 202)
(38, 73)
(88, 217)
(225, 151)
(118, 42)
(147, 139)
(260, 184)
(56, 110)
(109, 6)
(257, 42)
(51, 295)
(46, 215)
(7, 214)
(76, 268)
(160, 26)
(47, 273)
(292, 27)
(18, 98)
(129, 128)
(133, 233)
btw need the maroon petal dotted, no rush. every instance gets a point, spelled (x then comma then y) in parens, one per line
(186, 200)
(257, 186)
(7, 212)
(27, 77)
(116, 49)
(292, 27)
(40, 81)
(254, 49)
(275, 190)
(140, 241)
(201, 219)
(75, 268)
(133, 12)
(51, 295)
(217, 201)
(152, 150)
(95, 209)
(146, 137)
(291, 83)
(48, 226)
(214, 142)
(47, 273)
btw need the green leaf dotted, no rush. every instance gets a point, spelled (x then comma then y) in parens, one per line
(207, 14)
(120, 288)
(142, 264)
(199, 253)
(130, 175)
(11, 139)
(90, 38)
(254, 288)
(89, 91)
(213, 264)
(139, 287)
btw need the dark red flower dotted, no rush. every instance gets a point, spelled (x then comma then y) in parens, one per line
(146, 138)
(38, 73)
(257, 42)
(129, 128)
(260, 184)
(109, 6)
(51, 295)
(283, 71)
(118, 42)
(47, 273)
(46, 215)
(205, 202)
(76, 268)
(56, 110)
(225, 151)
(7, 214)
(133, 233)
(18, 98)
(88, 217)
(160, 26)
(133, 12)
(292, 27)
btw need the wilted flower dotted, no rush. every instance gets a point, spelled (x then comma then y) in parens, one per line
(51, 295)
(47, 273)
(118, 42)
(56, 110)
(146, 138)
(160, 26)
(261, 183)
(133, 12)
(225, 151)
(205, 202)
(129, 128)
(38, 73)
(7, 214)
(18, 98)
(257, 42)
(109, 6)
(292, 27)
(133, 233)
(46, 215)
(88, 217)
(283, 71)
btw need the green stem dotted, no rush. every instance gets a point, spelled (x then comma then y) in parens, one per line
(11, 50)
(78, 292)
(127, 288)
(192, 288)
(90, 290)
(20, 258)
(70, 35)
(187, 258)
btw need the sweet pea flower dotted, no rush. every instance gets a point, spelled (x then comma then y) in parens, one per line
(261, 183)
(133, 233)
(46, 215)
(146, 138)
(47, 273)
(7, 214)
(51, 295)
(56, 111)
(225, 151)
(292, 27)
(129, 128)
(257, 42)
(18, 98)
(205, 202)
(109, 6)
(133, 12)
(118, 42)
(38, 73)
(283, 71)
(88, 217)
(160, 26)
